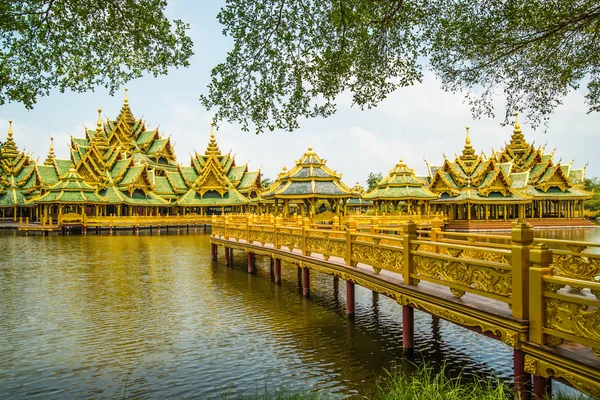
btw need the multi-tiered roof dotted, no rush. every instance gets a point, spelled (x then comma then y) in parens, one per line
(401, 184)
(17, 174)
(213, 179)
(310, 178)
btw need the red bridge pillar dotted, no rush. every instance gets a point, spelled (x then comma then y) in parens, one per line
(350, 299)
(522, 379)
(277, 270)
(251, 262)
(305, 282)
(227, 256)
(408, 327)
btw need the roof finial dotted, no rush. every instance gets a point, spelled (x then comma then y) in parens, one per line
(468, 137)
(126, 95)
(10, 132)
(99, 123)
(517, 124)
(212, 129)
(51, 145)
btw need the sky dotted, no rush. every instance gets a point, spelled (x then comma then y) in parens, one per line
(414, 124)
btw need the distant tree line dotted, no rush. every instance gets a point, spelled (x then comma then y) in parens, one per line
(593, 185)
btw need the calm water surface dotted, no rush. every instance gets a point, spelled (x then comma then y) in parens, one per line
(152, 317)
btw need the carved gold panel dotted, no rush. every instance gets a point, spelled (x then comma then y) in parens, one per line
(468, 274)
(391, 259)
(326, 246)
(575, 319)
(576, 265)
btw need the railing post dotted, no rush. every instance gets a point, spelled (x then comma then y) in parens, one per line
(248, 233)
(436, 230)
(305, 226)
(410, 234)
(522, 239)
(540, 257)
(277, 222)
(350, 229)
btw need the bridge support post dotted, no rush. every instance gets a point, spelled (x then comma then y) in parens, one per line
(521, 378)
(227, 256)
(231, 257)
(305, 282)
(408, 327)
(250, 262)
(542, 388)
(277, 270)
(213, 251)
(350, 299)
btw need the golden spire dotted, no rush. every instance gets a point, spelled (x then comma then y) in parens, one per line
(51, 155)
(468, 155)
(213, 147)
(10, 148)
(517, 124)
(126, 96)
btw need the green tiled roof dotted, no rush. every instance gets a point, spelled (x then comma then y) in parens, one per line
(401, 184)
(519, 180)
(47, 174)
(248, 180)
(72, 189)
(118, 167)
(157, 145)
(12, 197)
(471, 195)
(230, 198)
(132, 174)
(189, 174)
(145, 137)
(236, 173)
(163, 187)
(177, 182)
(62, 166)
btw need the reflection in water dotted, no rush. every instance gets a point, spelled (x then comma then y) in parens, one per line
(104, 316)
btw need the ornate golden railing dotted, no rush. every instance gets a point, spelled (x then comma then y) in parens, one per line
(554, 292)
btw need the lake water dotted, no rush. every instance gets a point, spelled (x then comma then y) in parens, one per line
(151, 316)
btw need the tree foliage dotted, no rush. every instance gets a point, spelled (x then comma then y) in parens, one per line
(372, 180)
(266, 182)
(81, 44)
(593, 185)
(292, 58)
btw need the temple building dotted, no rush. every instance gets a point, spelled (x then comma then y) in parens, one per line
(401, 188)
(121, 168)
(307, 186)
(214, 184)
(18, 179)
(359, 204)
(521, 181)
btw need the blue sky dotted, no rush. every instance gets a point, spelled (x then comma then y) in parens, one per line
(413, 124)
